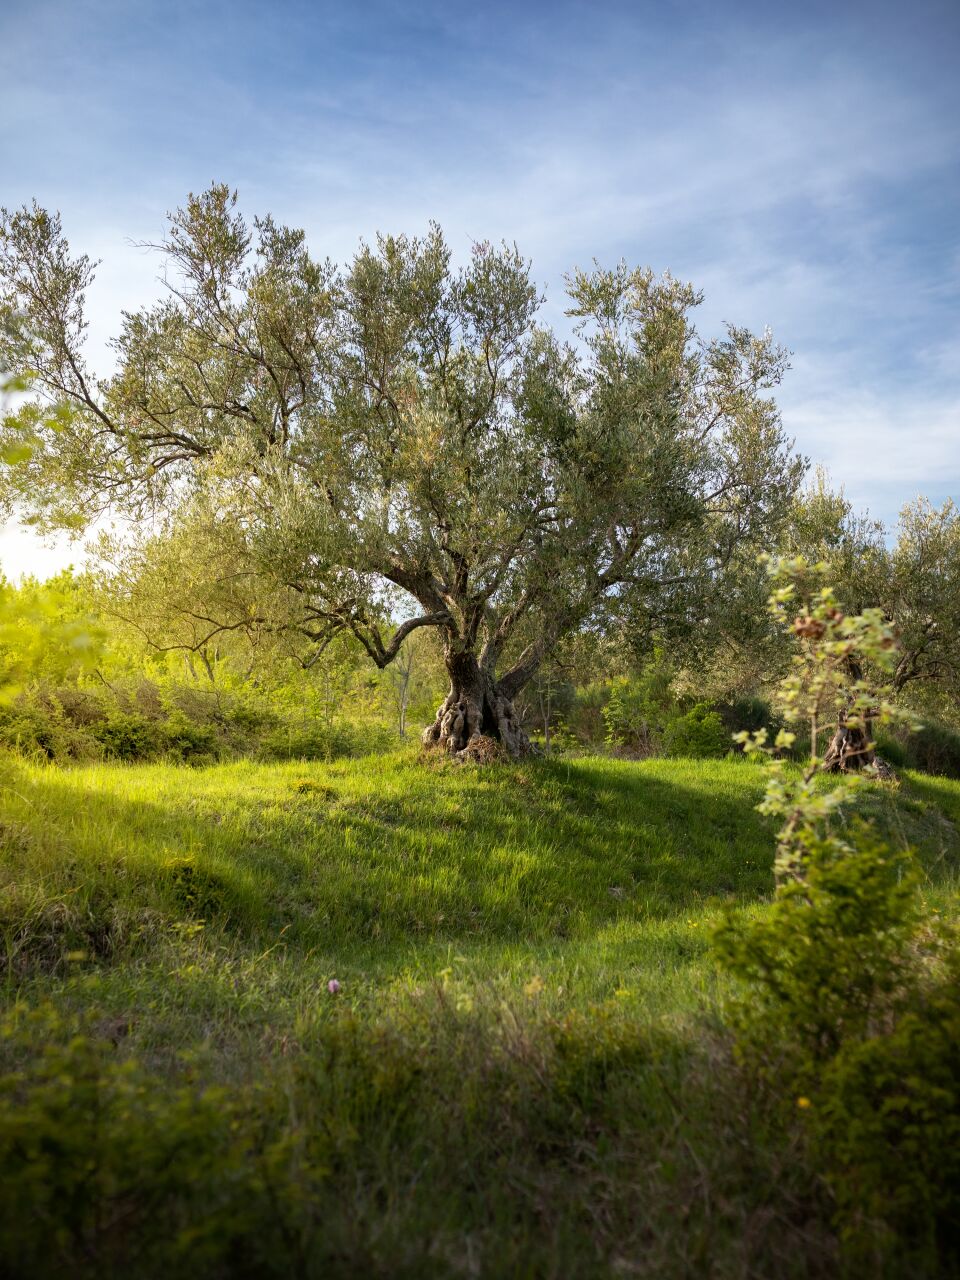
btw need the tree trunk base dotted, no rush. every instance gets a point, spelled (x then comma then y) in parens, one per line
(849, 750)
(477, 726)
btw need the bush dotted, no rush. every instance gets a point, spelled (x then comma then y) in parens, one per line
(34, 729)
(187, 741)
(108, 1159)
(638, 707)
(316, 741)
(699, 734)
(585, 719)
(825, 959)
(931, 748)
(748, 714)
(889, 749)
(887, 1130)
(629, 719)
(934, 748)
(838, 979)
(129, 736)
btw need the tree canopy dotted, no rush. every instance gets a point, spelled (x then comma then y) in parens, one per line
(911, 573)
(396, 444)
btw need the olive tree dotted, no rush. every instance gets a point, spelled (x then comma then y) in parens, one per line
(399, 443)
(912, 577)
(922, 596)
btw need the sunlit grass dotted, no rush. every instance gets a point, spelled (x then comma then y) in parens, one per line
(523, 953)
(599, 876)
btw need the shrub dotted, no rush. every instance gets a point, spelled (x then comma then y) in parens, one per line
(825, 961)
(187, 741)
(748, 715)
(128, 736)
(886, 1126)
(891, 750)
(628, 718)
(699, 733)
(107, 1159)
(934, 748)
(638, 707)
(316, 741)
(35, 729)
(841, 1017)
(838, 979)
(585, 718)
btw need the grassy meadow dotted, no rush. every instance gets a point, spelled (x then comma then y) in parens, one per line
(523, 1071)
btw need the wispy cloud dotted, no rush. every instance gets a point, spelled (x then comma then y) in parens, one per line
(802, 166)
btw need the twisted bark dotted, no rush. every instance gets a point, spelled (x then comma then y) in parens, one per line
(474, 711)
(851, 747)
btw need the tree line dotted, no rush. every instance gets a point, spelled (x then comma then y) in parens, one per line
(304, 455)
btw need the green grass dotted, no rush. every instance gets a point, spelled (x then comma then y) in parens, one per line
(523, 1072)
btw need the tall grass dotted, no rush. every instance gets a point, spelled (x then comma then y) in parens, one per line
(522, 1073)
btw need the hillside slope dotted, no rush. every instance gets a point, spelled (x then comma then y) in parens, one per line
(520, 1066)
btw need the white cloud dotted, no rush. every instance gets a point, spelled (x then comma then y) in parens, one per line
(795, 178)
(884, 449)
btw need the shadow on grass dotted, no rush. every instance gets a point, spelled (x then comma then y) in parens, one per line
(374, 856)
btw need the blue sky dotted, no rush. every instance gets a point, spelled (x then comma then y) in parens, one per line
(800, 163)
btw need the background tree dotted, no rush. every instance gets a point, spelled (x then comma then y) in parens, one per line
(922, 596)
(912, 576)
(400, 440)
(824, 527)
(411, 679)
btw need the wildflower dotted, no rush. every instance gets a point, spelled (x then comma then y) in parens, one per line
(803, 1103)
(333, 986)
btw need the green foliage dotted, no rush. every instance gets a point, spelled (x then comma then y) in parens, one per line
(861, 1001)
(495, 483)
(699, 733)
(184, 740)
(88, 686)
(915, 582)
(322, 742)
(637, 709)
(46, 631)
(854, 988)
(43, 729)
(891, 750)
(824, 962)
(129, 737)
(922, 595)
(934, 748)
(748, 713)
(824, 528)
(101, 1165)
(887, 1127)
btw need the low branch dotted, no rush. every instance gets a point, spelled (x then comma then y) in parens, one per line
(383, 654)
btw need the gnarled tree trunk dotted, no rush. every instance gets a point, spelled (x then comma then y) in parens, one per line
(475, 711)
(850, 747)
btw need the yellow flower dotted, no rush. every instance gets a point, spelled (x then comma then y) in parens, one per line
(803, 1102)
